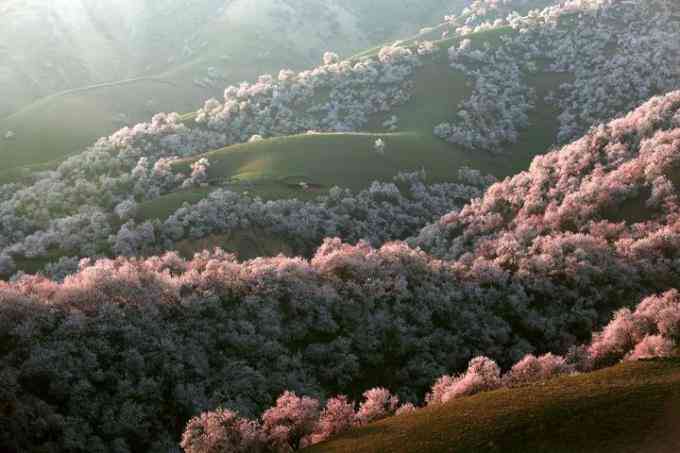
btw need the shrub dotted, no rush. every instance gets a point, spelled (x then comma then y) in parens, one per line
(290, 421)
(378, 403)
(482, 374)
(338, 416)
(532, 369)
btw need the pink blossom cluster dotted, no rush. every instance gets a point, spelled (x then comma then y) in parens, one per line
(293, 423)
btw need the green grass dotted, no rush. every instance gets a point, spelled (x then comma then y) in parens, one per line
(323, 159)
(53, 128)
(271, 168)
(246, 245)
(633, 407)
(164, 206)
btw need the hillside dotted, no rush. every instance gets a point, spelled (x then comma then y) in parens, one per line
(412, 146)
(627, 408)
(489, 97)
(96, 67)
(465, 241)
(534, 275)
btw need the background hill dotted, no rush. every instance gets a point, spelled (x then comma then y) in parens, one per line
(491, 96)
(78, 70)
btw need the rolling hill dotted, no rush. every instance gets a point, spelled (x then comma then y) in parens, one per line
(95, 67)
(490, 98)
(437, 94)
(634, 407)
(413, 146)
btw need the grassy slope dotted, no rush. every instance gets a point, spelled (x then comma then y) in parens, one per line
(50, 129)
(633, 407)
(323, 159)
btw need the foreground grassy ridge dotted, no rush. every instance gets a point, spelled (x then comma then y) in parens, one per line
(633, 407)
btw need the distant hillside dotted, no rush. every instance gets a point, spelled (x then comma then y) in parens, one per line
(183, 51)
(68, 44)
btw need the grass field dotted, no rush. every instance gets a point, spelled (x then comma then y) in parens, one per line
(633, 407)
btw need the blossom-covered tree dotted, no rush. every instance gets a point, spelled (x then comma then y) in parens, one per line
(289, 422)
(482, 374)
(378, 403)
(337, 417)
(222, 431)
